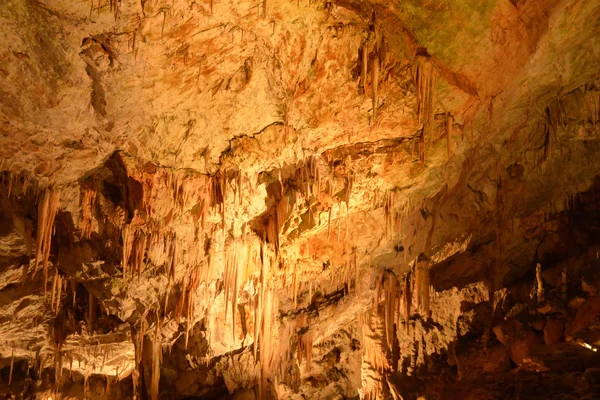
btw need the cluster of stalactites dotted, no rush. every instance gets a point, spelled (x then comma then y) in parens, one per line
(426, 83)
(305, 347)
(399, 294)
(393, 214)
(351, 273)
(374, 353)
(19, 184)
(187, 299)
(373, 59)
(268, 357)
(387, 283)
(218, 194)
(135, 241)
(235, 274)
(58, 286)
(592, 104)
(310, 178)
(267, 352)
(277, 220)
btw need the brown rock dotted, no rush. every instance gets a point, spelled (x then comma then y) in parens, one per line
(518, 339)
(553, 331)
(585, 319)
(474, 359)
(592, 375)
(244, 394)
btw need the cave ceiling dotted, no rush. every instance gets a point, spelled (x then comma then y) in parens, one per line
(202, 199)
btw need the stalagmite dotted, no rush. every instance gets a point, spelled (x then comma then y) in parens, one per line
(47, 209)
(540, 283)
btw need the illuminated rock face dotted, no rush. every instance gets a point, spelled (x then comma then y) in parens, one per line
(286, 200)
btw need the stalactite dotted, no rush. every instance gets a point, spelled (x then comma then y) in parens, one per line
(389, 210)
(235, 267)
(329, 223)
(267, 355)
(116, 9)
(138, 253)
(192, 288)
(137, 338)
(295, 286)
(57, 284)
(339, 220)
(181, 299)
(363, 67)
(87, 205)
(218, 193)
(422, 284)
(407, 300)
(425, 81)
(563, 284)
(48, 205)
(375, 81)
(390, 291)
(171, 256)
(556, 115)
(128, 237)
(449, 122)
(54, 281)
(356, 273)
(592, 104)
(259, 302)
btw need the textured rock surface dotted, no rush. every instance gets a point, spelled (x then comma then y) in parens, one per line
(212, 199)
